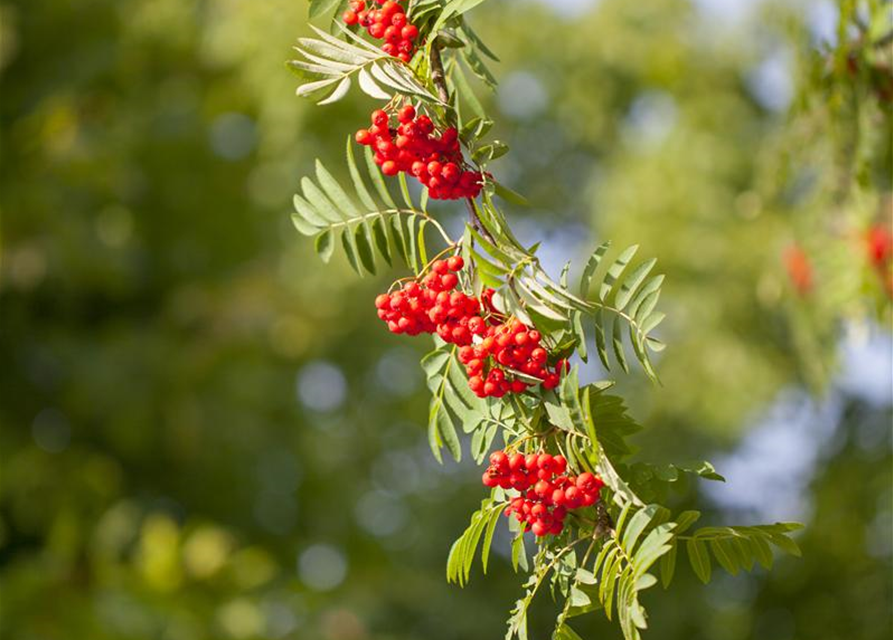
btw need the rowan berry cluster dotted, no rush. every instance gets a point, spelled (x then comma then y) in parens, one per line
(505, 347)
(493, 351)
(389, 23)
(799, 268)
(879, 243)
(414, 147)
(547, 492)
(433, 306)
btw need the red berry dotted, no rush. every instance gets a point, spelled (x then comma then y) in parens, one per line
(543, 488)
(516, 462)
(409, 32)
(406, 114)
(455, 263)
(449, 280)
(539, 529)
(350, 17)
(586, 481)
(390, 168)
(572, 497)
(545, 461)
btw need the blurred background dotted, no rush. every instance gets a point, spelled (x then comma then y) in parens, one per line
(205, 433)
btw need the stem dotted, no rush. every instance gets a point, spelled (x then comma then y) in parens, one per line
(438, 77)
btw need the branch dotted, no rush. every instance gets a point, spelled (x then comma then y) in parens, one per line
(438, 77)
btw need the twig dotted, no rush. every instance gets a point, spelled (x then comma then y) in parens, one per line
(438, 77)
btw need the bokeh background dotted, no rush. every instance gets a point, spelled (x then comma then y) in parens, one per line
(206, 434)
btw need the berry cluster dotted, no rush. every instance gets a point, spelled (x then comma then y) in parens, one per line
(506, 346)
(547, 492)
(799, 268)
(413, 147)
(880, 254)
(492, 352)
(388, 23)
(433, 306)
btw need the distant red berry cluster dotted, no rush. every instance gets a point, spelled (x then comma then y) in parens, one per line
(880, 253)
(547, 492)
(799, 269)
(492, 348)
(388, 23)
(413, 147)
(880, 246)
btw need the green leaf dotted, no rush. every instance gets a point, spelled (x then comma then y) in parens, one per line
(358, 182)
(519, 555)
(439, 420)
(350, 250)
(380, 234)
(591, 267)
(319, 201)
(303, 227)
(724, 556)
(377, 180)
(321, 7)
(631, 283)
(699, 559)
(615, 271)
(617, 342)
(324, 245)
(668, 566)
(363, 239)
(510, 195)
(488, 536)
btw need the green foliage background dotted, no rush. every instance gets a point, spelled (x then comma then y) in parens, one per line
(206, 434)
